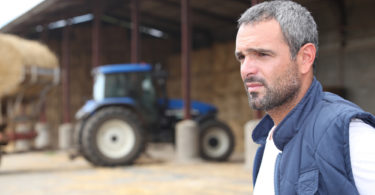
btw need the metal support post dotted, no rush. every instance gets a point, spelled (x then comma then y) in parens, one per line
(66, 72)
(97, 11)
(135, 31)
(185, 56)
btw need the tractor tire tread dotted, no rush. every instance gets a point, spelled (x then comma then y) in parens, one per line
(88, 142)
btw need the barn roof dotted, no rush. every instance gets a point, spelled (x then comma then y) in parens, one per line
(211, 17)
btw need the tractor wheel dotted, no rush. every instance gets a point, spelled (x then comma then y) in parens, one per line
(112, 137)
(216, 141)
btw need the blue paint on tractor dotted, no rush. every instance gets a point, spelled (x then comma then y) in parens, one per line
(121, 68)
(203, 108)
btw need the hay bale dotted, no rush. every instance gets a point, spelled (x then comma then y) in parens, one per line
(18, 54)
(215, 78)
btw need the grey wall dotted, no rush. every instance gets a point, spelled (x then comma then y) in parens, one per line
(352, 66)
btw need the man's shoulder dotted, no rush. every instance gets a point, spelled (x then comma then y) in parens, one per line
(333, 107)
(330, 119)
(337, 103)
(332, 116)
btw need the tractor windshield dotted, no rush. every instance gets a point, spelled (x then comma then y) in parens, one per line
(137, 85)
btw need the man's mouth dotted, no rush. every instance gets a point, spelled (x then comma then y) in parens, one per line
(253, 86)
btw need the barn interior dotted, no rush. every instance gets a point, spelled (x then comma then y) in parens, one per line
(87, 33)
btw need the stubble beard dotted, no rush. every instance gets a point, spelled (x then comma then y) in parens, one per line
(284, 90)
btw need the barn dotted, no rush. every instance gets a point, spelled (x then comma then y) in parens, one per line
(196, 34)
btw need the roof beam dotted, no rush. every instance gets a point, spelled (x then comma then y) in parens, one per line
(199, 11)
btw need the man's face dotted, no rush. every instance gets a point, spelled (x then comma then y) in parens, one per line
(270, 76)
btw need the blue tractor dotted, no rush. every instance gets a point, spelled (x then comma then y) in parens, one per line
(130, 108)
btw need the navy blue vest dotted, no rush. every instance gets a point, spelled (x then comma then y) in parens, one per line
(314, 140)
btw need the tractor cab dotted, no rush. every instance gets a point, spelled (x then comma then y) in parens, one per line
(130, 84)
(117, 81)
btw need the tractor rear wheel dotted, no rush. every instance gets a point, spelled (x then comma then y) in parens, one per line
(112, 137)
(216, 141)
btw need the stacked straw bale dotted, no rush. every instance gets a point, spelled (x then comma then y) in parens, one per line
(215, 78)
(16, 54)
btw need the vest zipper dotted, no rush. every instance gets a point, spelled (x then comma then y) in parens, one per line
(276, 175)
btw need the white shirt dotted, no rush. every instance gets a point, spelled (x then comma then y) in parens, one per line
(265, 179)
(362, 157)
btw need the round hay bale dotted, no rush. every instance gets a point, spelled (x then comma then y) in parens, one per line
(18, 54)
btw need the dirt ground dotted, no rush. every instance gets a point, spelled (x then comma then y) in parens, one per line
(156, 172)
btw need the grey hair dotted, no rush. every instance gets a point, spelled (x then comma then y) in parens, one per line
(297, 24)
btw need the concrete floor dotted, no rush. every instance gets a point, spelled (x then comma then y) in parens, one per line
(51, 172)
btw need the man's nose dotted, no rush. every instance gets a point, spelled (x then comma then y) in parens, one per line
(248, 67)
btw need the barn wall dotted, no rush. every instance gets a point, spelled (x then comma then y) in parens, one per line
(350, 66)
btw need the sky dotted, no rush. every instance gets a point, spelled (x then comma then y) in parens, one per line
(12, 9)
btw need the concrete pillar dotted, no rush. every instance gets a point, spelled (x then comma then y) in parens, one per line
(187, 141)
(65, 136)
(23, 145)
(250, 146)
(43, 138)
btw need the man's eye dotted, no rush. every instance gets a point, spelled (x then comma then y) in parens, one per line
(240, 57)
(261, 54)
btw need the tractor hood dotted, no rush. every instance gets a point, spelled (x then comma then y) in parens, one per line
(176, 106)
(92, 105)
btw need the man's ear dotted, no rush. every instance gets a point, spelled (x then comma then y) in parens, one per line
(306, 57)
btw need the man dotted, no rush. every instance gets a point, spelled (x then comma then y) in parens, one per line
(311, 142)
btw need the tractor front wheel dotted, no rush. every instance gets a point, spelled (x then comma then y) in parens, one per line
(112, 137)
(216, 141)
